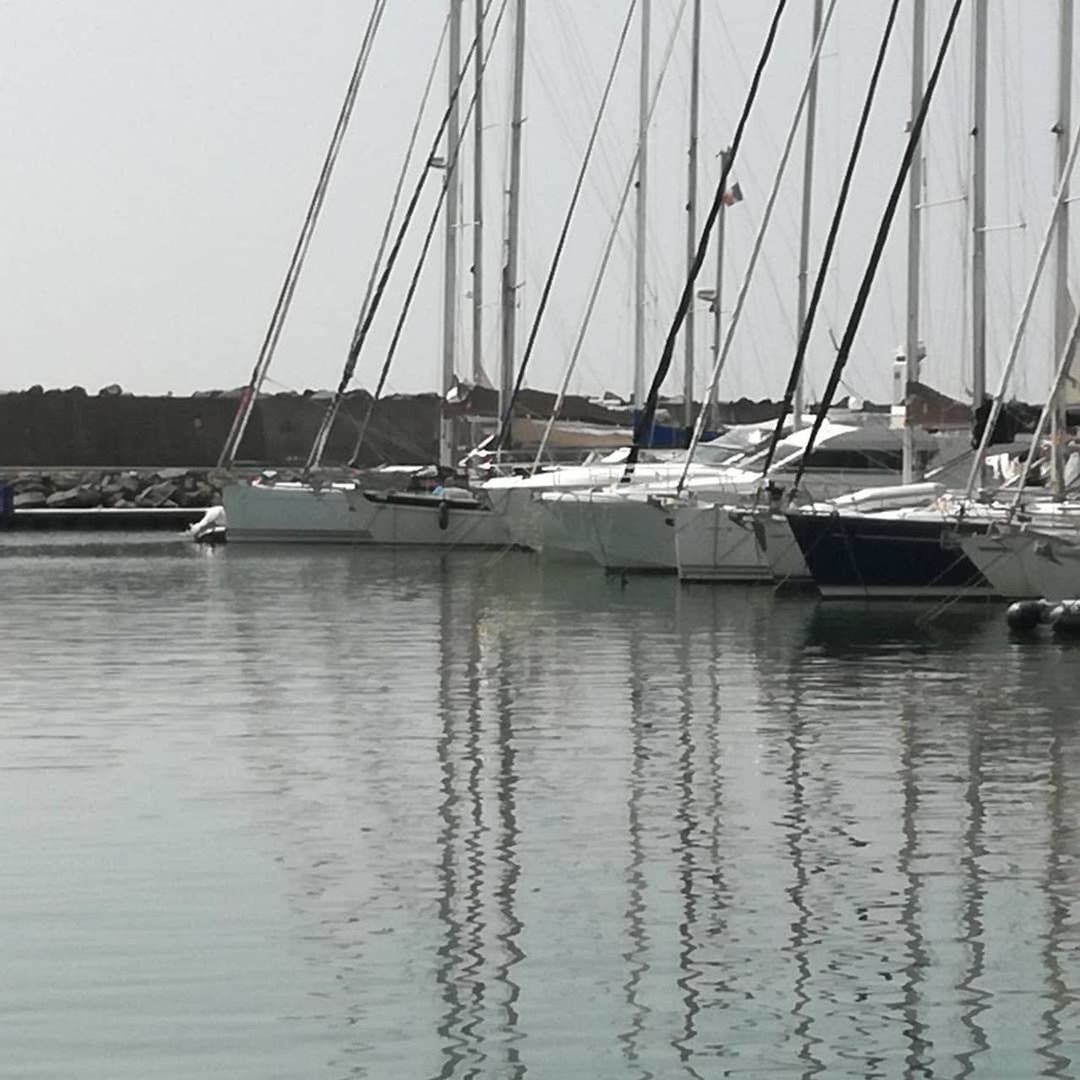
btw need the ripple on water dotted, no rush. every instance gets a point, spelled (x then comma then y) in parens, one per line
(278, 813)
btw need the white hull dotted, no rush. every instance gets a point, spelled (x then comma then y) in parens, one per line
(616, 532)
(718, 543)
(521, 514)
(631, 534)
(1001, 559)
(1014, 558)
(531, 523)
(344, 514)
(731, 543)
(1054, 564)
(784, 555)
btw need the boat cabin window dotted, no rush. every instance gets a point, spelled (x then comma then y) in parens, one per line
(844, 459)
(717, 453)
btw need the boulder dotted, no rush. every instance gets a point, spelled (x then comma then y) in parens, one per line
(190, 500)
(28, 483)
(156, 494)
(80, 498)
(112, 390)
(66, 481)
(129, 484)
(110, 487)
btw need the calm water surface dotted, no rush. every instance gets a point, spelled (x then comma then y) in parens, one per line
(274, 813)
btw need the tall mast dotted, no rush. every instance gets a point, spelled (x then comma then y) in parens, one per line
(513, 215)
(718, 292)
(478, 204)
(807, 204)
(978, 208)
(1062, 303)
(914, 252)
(691, 208)
(453, 136)
(642, 198)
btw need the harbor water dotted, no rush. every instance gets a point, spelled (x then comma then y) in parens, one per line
(284, 813)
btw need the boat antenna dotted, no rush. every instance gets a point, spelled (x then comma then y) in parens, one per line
(884, 226)
(284, 301)
(796, 375)
(507, 417)
(648, 413)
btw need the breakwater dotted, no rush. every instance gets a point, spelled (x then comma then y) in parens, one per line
(111, 430)
(130, 489)
(70, 429)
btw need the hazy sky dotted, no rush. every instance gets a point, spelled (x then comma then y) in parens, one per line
(159, 156)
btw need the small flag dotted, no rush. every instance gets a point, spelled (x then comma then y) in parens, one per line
(732, 195)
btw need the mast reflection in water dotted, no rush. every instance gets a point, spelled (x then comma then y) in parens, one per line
(475, 816)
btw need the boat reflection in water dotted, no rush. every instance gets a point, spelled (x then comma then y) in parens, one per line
(488, 816)
(697, 830)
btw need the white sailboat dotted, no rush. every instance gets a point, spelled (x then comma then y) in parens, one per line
(653, 526)
(432, 510)
(628, 526)
(940, 550)
(1017, 553)
(349, 513)
(718, 541)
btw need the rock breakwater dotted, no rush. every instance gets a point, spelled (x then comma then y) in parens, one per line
(120, 489)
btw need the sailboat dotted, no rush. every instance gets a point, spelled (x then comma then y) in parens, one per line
(628, 525)
(957, 545)
(432, 511)
(436, 508)
(724, 543)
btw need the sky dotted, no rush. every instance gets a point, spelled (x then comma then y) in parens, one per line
(159, 157)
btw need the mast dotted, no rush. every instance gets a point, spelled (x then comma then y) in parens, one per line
(478, 205)
(978, 208)
(642, 216)
(513, 215)
(807, 204)
(914, 252)
(250, 394)
(691, 207)
(453, 137)
(1062, 302)
(717, 297)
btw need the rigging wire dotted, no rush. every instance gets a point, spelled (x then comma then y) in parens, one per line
(740, 300)
(296, 264)
(545, 293)
(884, 227)
(1052, 398)
(648, 413)
(764, 133)
(830, 241)
(429, 235)
(613, 236)
(326, 425)
(1025, 313)
(380, 289)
